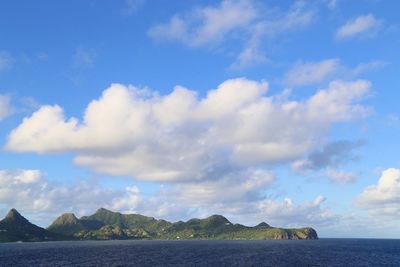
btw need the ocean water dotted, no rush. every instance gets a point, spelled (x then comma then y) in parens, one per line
(323, 252)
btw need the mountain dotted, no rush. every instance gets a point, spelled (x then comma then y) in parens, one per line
(106, 217)
(106, 224)
(66, 224)
(14, 227)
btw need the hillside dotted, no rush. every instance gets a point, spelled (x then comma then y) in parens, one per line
(14, 227)
(105, 224)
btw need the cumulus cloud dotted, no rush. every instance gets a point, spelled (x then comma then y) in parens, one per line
(181, 137)
(230, 195)
(30, 191)
(6, 60)
(291, 214)
(230, 189)
(240, 200)
(366, 25)
(383, 198)
(242, 208)
(5, 106)
(212, 25)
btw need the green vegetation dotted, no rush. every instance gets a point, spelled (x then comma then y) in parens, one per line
(106, 225)
(67, 224)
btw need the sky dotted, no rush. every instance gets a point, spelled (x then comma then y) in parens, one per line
(278, 111)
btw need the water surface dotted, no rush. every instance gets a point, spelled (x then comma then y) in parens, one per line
(323, 252)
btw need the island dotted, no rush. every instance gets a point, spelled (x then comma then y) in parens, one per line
(108, 225)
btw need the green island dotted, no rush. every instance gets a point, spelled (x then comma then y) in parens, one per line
(108, 225)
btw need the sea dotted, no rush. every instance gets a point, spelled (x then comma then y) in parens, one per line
(322, 252)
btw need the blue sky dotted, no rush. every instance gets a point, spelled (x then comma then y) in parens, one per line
(261, 111)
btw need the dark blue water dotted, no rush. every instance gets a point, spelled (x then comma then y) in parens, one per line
(323, 252)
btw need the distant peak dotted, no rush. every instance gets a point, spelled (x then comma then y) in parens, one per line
(67, 218)
(68, 215)
(64, 220)
(101, 210)
(104, 211)
(217, 217)
(14, 215)
(263, 225)
(12, 210)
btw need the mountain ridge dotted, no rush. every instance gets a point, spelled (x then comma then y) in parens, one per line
(105, 224)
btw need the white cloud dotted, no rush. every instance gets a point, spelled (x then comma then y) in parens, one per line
(328, 159)
(206, 25)
(238, 198)
(366, 25)
(6, 108)
(311, 72)
(317, 72)
(246, 205)
(290, 214)
(369, 66)
(331, 155)
(251, 53)
(245, 208)
(29, 191)
(295, 18)
(179, 137)
(341, 177)
(232, 188)
(28, 104)
(241, 198)
(337, 102)
(242, 21)
(383, 198)
(6, 60)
